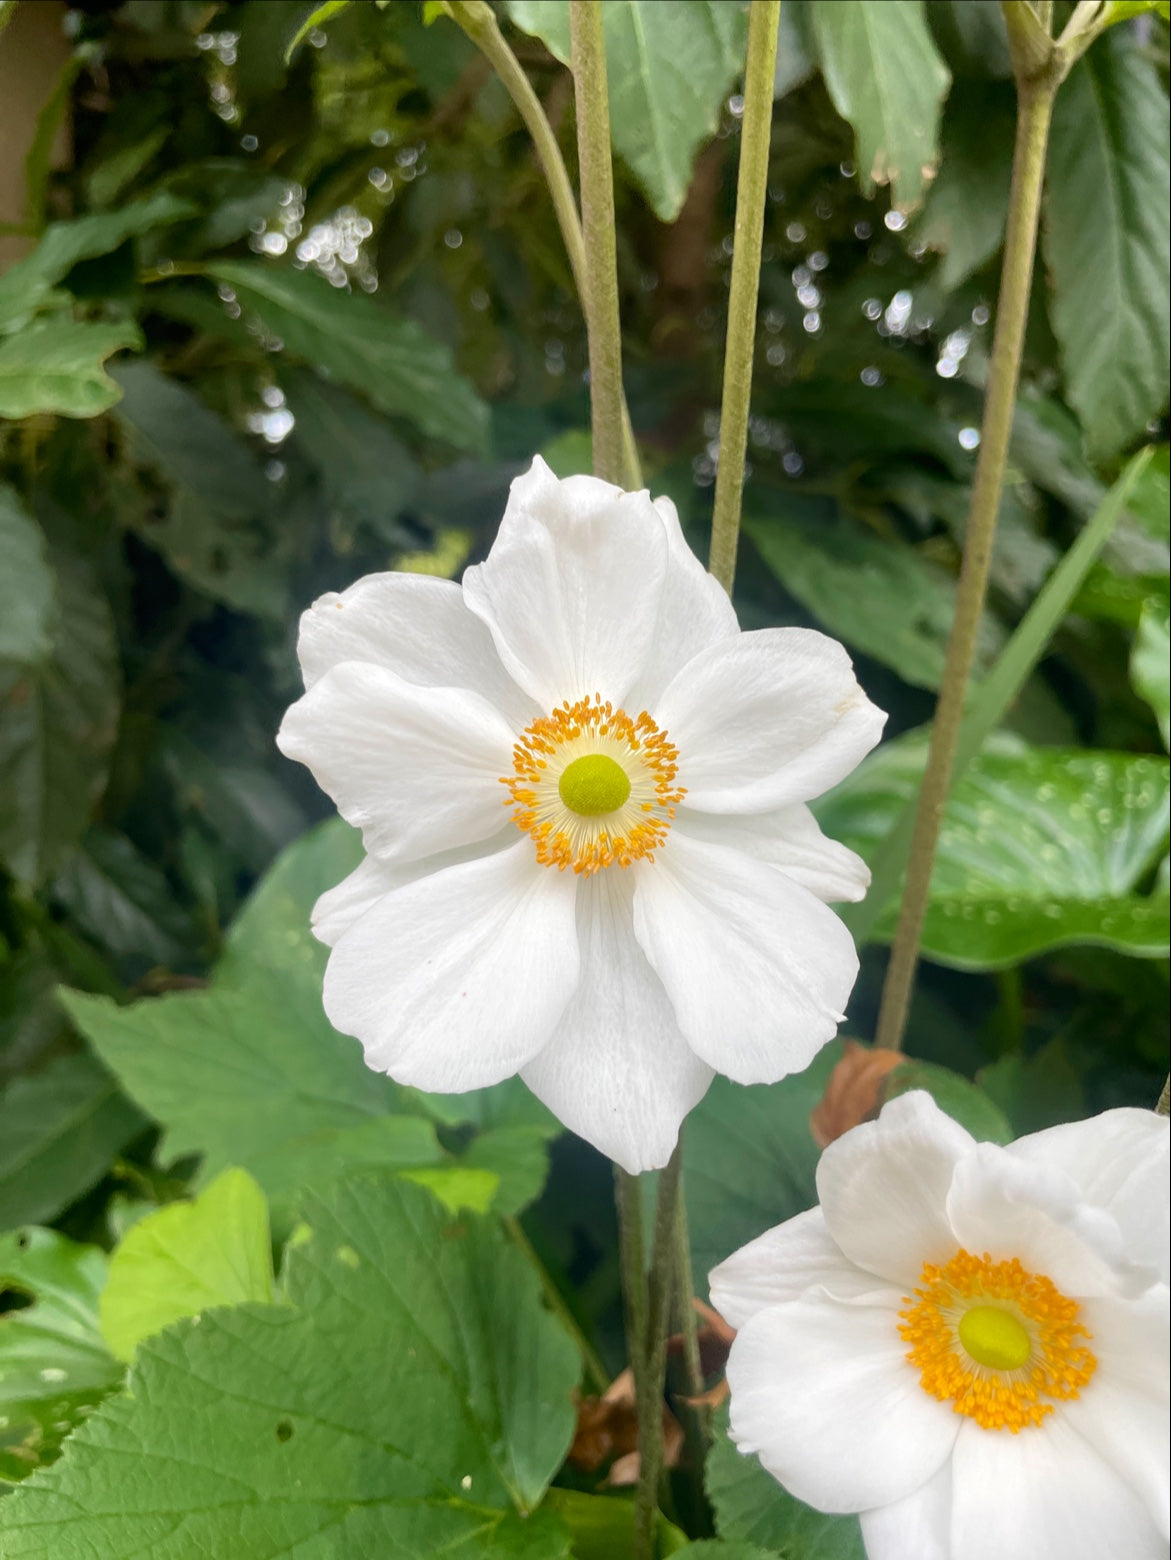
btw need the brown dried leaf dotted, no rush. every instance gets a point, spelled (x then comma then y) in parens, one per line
(853, 1093)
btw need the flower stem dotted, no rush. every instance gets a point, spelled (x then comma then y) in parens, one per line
(650, 1399)
(1164, 1105)
(612, 450)
(1036, 90)
(478, 21)
(628, 1199)
(751, 190)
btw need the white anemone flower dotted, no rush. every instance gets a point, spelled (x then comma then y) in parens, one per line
(964, 1343)
(582, 793)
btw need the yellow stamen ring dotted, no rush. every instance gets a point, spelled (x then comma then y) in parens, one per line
(594, 787)
(999, 1343)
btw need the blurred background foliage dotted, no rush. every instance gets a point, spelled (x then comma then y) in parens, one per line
(278, 322)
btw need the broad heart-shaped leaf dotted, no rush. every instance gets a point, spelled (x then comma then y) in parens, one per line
(54, 1366)
(55, 365)
(186, 1257)
(26, 584)
(749, 1160)
(392, 361)
(669, 66)
(886, 78)
(59, 1130)
(750, 1505)
(882, 599)
(1040, 848)
(58, 721)
(410, 1400)
(1149, 663)
(1109, 305)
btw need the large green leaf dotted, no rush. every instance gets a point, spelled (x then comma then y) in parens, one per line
(749, 1160)
(750, 1505)
(54, 1366)
(187, 1257)
(1149, 663)
(1107, 215)
(669, 66)
(26, 584)
(967, 204)
(123, 903)
(1040, 847)
(880, 597)
(886, 77)
(55, 365)
(392, 361)
(59, 1130)
(58, 720)
(412, 1399)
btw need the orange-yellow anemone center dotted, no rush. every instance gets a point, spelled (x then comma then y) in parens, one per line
(593, 786)
(999, 1343)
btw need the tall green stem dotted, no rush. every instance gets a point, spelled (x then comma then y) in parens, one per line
(611, 458)
(1035, 95)
(751, 191)
(650, 1402)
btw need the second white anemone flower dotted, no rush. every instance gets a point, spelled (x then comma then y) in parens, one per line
(582, 793)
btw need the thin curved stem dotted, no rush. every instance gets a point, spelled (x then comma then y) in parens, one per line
(1035, 96)
(751, 191)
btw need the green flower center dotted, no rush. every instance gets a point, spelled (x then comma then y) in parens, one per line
(593, 785)
(995, 1338)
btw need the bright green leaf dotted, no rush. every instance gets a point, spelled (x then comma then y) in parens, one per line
(312, 22)
(1150, 663)
(1040, 847)
(354, 340)
(54, 1366)
(412, 1399)
(886, 78)
(750, 1506)
(26, 584)
(669, 65)
(185, 1258)
(55, 365)
(963, 1101)
(1109, 157)
(602, 1527)
(59, 1130)
(457, 1188)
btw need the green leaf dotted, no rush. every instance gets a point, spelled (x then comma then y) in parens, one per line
(1150, 669)
(350, 338)
(967, 204)
(880, 597)
(26, 286)
(749, 1160)
(26, 584)
(59, 1130)
(58, 720)
(312, 22)
(185, 1258)
(411, 1399)
(123, 903)
(886, 78)
(669, 66)
(751, 1506)
(55, 365)
(602, 1527)
(1036, 1091)
(1109, 306)
(1040, 848)
(54, 1366)
(956, 1096)
(1123, 10)
(718, 1549)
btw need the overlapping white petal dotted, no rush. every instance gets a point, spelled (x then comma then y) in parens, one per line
(822, 1386)
(790, 839)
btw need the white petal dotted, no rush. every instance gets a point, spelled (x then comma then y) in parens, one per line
(1119, 1160)
(1043, 1495)
(758, 970)
(617, 1071)
(1123, 1412)
(694, 615)
(883, 1188)
(822, 1392)
(412, 625)
(915, 1528)
(416, 769)
(338, 908)
(790, 839)
(571, 588)
(782, 1264)
(458, 979)
(773, 717)
(1008, 1207)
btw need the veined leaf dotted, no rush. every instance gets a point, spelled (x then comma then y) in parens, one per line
(26, 584)
(55, 365)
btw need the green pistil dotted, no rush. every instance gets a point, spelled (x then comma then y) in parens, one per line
(995, 1338)
(593, 785)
